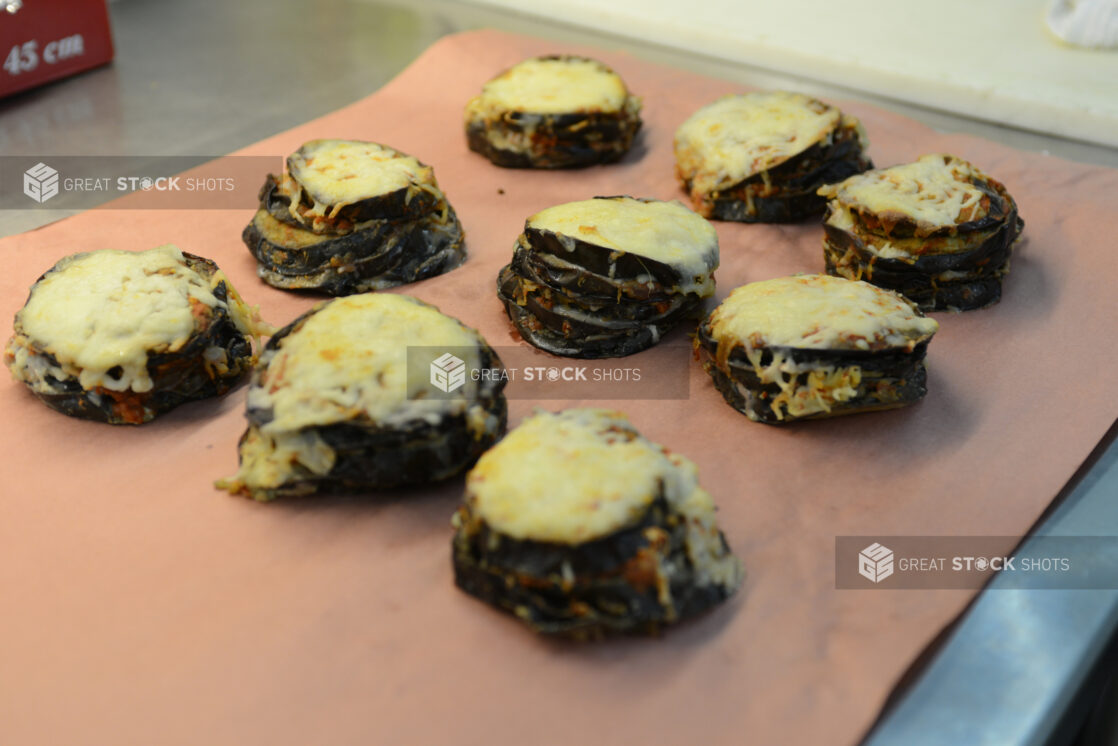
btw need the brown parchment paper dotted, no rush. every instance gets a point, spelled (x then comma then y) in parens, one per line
(139, 605)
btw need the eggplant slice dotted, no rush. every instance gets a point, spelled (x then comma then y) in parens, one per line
(350, 217)
(338, 405)
(814, 346)
(580, 527)
(760, 157)
(938, 230)
(121, 337)
(609, 276)
(558, 111)
(381, 256)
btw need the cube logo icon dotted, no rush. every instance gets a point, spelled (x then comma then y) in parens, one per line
(40, 182)
(448, 372)
(875, 562)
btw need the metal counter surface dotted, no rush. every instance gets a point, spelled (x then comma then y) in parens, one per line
(1012, 671)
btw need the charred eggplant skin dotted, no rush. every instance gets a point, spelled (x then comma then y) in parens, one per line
(556, 272)
(609, 593)
(381, 256)
(603, 332)
(586, 347)
(178, 377)
(598, 259)
(618, 331)
(521, 279)
(975, 275)
(890, 378)
(792, 197)
(796, 200)
(556, 142)
(370, 457)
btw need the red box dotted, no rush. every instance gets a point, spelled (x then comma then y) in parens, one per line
(44, 40)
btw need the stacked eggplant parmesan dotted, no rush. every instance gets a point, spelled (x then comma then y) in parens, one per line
(760, 157)
(609, 276)
(338, 405)
(814, 346)
(121, 336)
(553, 112)
(938, 230)
(579, 526)
(348, 217)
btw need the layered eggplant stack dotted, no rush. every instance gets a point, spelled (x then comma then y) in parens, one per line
(938, 230)
(553, 112)
(760, 157)
(339, 405)
(349, 217)
(579, 526)
(121, 337)
(814, 346)
(609, 276)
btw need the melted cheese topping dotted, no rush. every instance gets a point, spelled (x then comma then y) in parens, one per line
(726, 142)
(349, 360)
(805, 389)
(336, 173)
(822, 389)
(935, 192)
(108, 310)
(566, 85)
(577, 476)
(818, 312)
(907, 249)
(663, 231)
(840, 217)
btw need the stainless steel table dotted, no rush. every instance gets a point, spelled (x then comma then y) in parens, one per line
(1018, 668)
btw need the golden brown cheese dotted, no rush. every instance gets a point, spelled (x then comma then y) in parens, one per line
(935, 192)
(666, 232)
(806, 389)
(583, 474)
(350, 359)
(337, 173)
(108, 310)
(726, 142)
(818, 312)
(550, 86)
(349, 362)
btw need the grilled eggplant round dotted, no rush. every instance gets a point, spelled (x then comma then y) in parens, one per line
(760, 157)
(338, 404)
(579, 526)
(814, 346)
(121, 337)
(609, 276)
(349, 217)
(382, 255)
(938, 230)
(558, 111)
